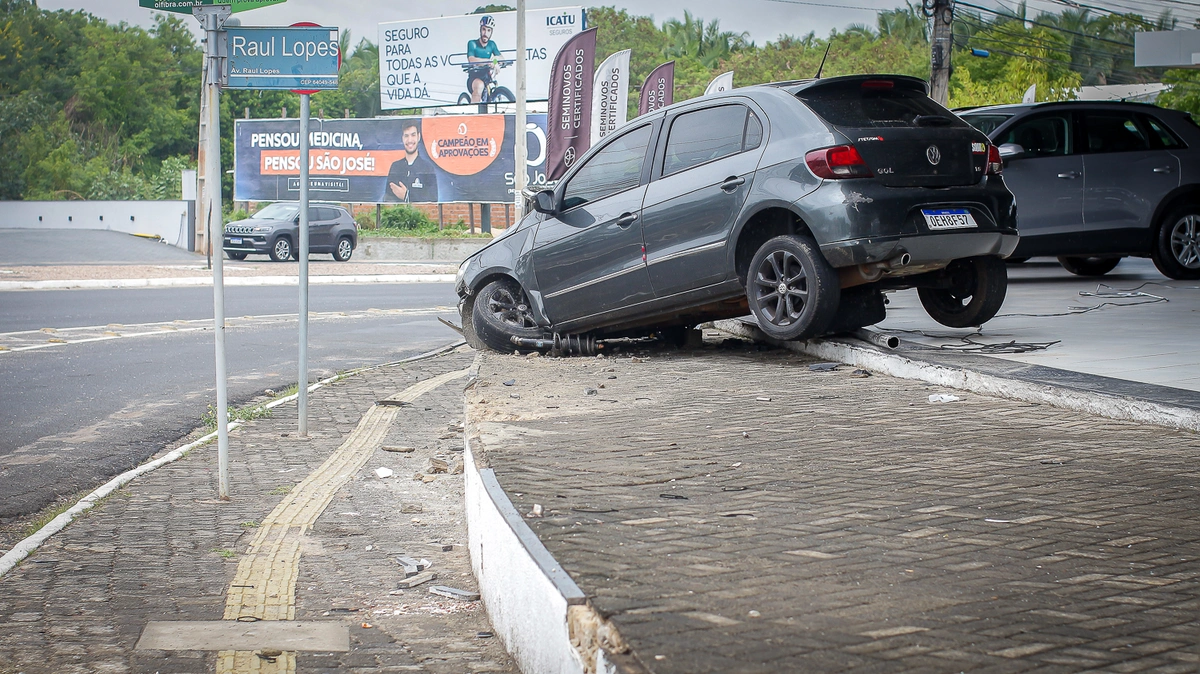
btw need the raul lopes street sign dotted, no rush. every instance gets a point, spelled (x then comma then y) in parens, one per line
(283, 58)
(186, 6)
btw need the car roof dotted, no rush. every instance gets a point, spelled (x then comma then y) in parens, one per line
(796, 86)
(1022, 107)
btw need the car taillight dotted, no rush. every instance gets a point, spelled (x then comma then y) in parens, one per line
(836, 163)
(995, 163)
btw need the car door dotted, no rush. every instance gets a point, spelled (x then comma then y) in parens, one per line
(320, 231)
(1047, 178)
(705, 168)
(588, 257)
(1129, 172)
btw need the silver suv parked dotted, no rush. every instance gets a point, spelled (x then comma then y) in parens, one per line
(1099, 181)
(275, 231)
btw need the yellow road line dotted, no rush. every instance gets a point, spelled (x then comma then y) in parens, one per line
(264, 587)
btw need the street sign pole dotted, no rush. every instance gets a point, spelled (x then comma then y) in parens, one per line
(302, 254)
(521, 169)
(212, 18)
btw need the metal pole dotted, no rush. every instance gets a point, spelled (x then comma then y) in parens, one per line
(213, 18)
(520, 166)
(302, 255)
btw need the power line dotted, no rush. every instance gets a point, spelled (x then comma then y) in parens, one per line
(1008, 15)
(827, 4)
(1040, 42)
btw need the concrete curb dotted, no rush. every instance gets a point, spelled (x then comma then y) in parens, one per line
(27, 546)
(535, 607)
(229, 281)
(967, 377)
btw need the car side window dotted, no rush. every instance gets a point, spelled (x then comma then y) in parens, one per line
(1042, 136)
(1113, 131)
(1161, 137)
(704, 135)
(615, 168)
(754, 132)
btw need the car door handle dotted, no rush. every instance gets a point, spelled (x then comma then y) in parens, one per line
(626, 219)
(1069, 175)
(1163, 169)
(731, 183)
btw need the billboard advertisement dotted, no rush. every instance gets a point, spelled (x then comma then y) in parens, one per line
(457, 60)
(388, 160)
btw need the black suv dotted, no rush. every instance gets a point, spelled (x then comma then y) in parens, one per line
(1098, 181)
(797, 202)
(275, 231)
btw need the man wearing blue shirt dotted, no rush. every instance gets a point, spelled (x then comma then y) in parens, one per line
(482, 52)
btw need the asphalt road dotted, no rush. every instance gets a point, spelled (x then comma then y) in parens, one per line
(85, 246)
(76, 414)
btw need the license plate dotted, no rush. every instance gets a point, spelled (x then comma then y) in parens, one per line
(236, 242)
(948, 218)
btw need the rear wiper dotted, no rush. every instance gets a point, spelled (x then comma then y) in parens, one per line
(932, 120)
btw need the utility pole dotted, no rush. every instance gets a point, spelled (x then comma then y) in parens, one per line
(942, 13)
(519, 166)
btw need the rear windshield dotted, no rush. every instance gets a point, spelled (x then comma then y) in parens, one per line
(986, 123)
(872, 103)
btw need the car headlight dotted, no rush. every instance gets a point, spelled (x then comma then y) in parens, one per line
(462, 270)
(261, 230)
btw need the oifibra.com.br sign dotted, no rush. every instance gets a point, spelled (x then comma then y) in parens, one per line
(187, 6)
(427, 62)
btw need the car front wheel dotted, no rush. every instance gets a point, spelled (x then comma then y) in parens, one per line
(344, 249)
(1176, 251)
(1089, 266)
(282, 250)
(792, 290)
(973, 296)
(500, 312)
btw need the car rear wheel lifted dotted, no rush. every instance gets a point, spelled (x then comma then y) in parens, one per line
(500, 311)
(971, 293)
(1089, 266)
(1176, 250)
(792, 290)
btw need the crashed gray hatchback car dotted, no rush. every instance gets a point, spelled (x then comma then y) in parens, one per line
(797, 202)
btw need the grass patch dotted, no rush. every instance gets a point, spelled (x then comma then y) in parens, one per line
(45, 518)
(225, 553)
(281, 490)
(249, 413)
(449, 232)
(250, 524)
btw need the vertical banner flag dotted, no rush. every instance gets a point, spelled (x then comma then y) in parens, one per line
(569, 117)
(658, 91)
(610, 95)
(722, 82)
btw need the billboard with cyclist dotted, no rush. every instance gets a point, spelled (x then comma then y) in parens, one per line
(458, 60)
(443, 159)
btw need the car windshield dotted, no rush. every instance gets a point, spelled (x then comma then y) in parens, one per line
(986, 123)
(277, 212)
(875, 103)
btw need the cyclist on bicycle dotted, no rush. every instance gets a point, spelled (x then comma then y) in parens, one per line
(485, 53)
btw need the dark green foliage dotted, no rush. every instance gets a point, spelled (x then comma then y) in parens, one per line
(404, 217)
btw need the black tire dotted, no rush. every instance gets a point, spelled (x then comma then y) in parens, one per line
(282, 249)
(1089, 266)
(465, 312)
(1176, 250)
(501, 310)
(503, 95)
(464, 99)
(344, 249)
(234, 255)
(976, 293)
(792, 290)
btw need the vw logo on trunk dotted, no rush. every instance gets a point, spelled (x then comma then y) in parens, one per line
(933, 154)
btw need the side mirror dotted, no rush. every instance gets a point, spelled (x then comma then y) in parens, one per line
(543, 202)
(1011, 151)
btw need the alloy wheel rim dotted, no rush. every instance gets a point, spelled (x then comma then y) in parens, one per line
(781, 288)
(1185, 241)
(508, 310)
(344, 249)
(282, 248)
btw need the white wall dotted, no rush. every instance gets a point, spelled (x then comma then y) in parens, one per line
(167, 219)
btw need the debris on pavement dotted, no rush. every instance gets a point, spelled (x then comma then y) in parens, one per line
(437, 465)
(413, 581)
(860, 373)
(398, 449)
(590, 391)
(943, 398)
(823, 367)
(510, 382)
(763, 399)
(411, 508)
(412, 566)
(384, 473)
(454, 593)
(536, 511)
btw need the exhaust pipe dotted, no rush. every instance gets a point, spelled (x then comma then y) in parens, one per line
(871, 272)
(883, 339)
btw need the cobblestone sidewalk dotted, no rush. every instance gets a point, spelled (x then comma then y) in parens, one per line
(732, 510)
(164, 549)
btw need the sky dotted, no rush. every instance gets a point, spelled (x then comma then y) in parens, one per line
(765, 20)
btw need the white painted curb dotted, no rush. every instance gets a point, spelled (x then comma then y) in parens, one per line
(27, 546)
(526, 592)
(896, 365)
(201, 281)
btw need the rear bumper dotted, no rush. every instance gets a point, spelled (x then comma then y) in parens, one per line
(924, 248)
